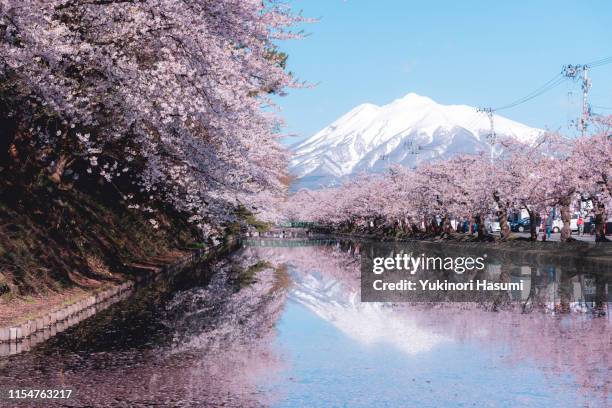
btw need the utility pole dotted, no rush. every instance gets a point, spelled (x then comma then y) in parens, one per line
(586, 109)
(491, 138)
(582, 71)
(413, 150)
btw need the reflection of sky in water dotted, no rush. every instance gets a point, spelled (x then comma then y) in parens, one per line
(326, 367)
(341, 352)
(194, 340)
(367, 323)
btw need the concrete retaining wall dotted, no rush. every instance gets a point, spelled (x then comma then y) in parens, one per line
(16, 339)
(20, 338)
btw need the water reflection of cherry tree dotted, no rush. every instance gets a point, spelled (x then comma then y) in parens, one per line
(221, 350)
(326, 280)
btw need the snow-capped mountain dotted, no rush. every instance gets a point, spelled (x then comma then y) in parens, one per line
(406, 131)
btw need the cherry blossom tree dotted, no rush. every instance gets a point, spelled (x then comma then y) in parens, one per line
(520, 179)
(552, 173)
(167, 99)
(591, 158)
(561, 174)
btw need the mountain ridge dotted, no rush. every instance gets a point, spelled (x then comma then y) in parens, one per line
(408, 131)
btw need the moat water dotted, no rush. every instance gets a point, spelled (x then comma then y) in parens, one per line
(281, 324)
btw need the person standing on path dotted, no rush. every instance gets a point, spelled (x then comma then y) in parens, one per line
(549, 223)
(580, 225)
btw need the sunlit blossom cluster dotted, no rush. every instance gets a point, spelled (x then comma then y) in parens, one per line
(170, 93)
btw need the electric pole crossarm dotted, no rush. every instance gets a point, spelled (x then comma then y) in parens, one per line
(491, 136)
(581, 71)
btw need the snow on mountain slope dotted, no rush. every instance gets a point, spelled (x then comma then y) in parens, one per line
(370, 137)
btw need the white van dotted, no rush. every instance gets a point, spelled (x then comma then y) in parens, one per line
(492, 225)
(558, 224)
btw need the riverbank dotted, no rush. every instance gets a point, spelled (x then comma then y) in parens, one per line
(19, 309)
(63, 250)
(591, 256)
(23, 327)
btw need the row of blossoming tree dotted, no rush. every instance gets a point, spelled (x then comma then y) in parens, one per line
(555, 172)
(167, 101)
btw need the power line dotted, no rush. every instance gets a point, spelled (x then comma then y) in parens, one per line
(552, 83)
(569, 71)
(474, 119)
(598, 63)
(602, 107)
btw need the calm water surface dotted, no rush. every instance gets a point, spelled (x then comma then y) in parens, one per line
(281, 324)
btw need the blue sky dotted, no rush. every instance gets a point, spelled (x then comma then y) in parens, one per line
(480, 53)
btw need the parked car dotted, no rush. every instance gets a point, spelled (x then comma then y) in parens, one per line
(558, 224)
(520, 225)
(493, 227)
(574, 223)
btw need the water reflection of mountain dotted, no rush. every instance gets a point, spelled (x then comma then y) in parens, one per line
(368, 323)
(560, 335)
(555, 286)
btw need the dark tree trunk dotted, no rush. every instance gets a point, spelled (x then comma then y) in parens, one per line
(533, 225)
(502, 216)
(58, 169)
(446, 226)
(600, 295)
(565, 291)
(481, 228)
(433, 226)
(532, 298)
(600, 222)
(503, 298)
(566, 216)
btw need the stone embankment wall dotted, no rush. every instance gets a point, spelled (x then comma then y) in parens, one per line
(22, 337)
